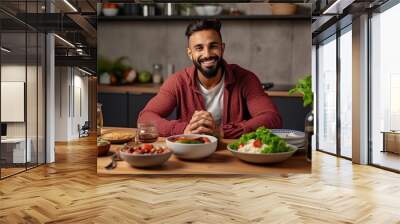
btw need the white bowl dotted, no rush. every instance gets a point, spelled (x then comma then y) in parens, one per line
(110, 11)
(264, 158)
(192, 151)
(208, 10)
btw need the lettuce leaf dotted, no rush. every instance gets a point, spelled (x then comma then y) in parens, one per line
(274, 143)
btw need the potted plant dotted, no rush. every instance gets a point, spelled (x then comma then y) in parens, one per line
(115, 72)
(304, 87)
(122, 73)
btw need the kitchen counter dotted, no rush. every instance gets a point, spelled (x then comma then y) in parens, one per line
(154, 88)
(220, 162)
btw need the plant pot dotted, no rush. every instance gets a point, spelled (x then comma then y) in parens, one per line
(283, 8)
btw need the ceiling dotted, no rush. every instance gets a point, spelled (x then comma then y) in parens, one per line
(80, 27)
(75, 26)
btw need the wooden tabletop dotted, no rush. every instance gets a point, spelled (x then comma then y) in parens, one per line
(155, 88)
(220, 162)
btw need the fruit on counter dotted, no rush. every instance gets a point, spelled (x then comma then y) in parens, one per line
(144, 77)
(129, 76)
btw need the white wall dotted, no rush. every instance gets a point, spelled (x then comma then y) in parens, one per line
(12, 73)
(61, 103)
(33, 127)
(71, 102)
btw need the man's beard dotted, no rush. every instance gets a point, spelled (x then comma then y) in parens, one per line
(210, 72)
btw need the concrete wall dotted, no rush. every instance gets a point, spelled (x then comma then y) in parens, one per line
(277, 51)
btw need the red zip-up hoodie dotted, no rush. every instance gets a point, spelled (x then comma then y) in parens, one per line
(246, 105)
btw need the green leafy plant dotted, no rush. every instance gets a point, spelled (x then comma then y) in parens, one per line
(304, 87)
(116, 67)
(119, 67)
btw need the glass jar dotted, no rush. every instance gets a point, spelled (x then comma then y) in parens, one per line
(146, 133)
(99, 119)
(157, 76)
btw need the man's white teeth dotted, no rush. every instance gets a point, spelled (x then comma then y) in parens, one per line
(208, 61)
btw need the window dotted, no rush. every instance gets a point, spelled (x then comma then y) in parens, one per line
(22, 77)
(326, 107)
(385, 84)
(346, 93)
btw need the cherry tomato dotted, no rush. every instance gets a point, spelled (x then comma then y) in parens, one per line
(206, 140)
(148, 146)
(257, 143)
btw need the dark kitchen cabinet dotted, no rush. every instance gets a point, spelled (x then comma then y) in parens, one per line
(122, 109)
(115, 109)
(292, 111)
(136, 103)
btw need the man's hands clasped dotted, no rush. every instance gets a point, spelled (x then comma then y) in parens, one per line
(202, 122)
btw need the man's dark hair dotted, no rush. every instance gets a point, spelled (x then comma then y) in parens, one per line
(205, 24)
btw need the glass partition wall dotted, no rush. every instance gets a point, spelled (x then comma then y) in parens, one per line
(334, 94)
(22, 79)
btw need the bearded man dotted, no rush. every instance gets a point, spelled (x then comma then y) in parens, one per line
(212, 97)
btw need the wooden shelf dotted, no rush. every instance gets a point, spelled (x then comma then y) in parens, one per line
(221, 17)
(154, 88)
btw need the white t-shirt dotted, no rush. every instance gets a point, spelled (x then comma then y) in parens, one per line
(214, 99)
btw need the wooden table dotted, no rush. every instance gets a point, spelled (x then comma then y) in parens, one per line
(220, 162)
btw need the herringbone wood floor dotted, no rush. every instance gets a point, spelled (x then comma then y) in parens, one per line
(69, 191)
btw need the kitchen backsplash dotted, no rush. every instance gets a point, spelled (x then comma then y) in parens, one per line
(278, 51)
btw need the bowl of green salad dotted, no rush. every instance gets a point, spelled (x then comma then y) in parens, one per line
(262, 147)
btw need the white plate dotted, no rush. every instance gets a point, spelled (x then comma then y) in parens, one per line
(295, 142)
(288, 134)
(262, 158)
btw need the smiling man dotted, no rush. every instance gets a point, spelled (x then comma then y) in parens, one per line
(212, 96)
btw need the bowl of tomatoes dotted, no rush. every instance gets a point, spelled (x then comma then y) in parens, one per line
(110, 9)
(145, 155)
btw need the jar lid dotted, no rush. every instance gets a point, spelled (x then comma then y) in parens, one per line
(157, 66)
